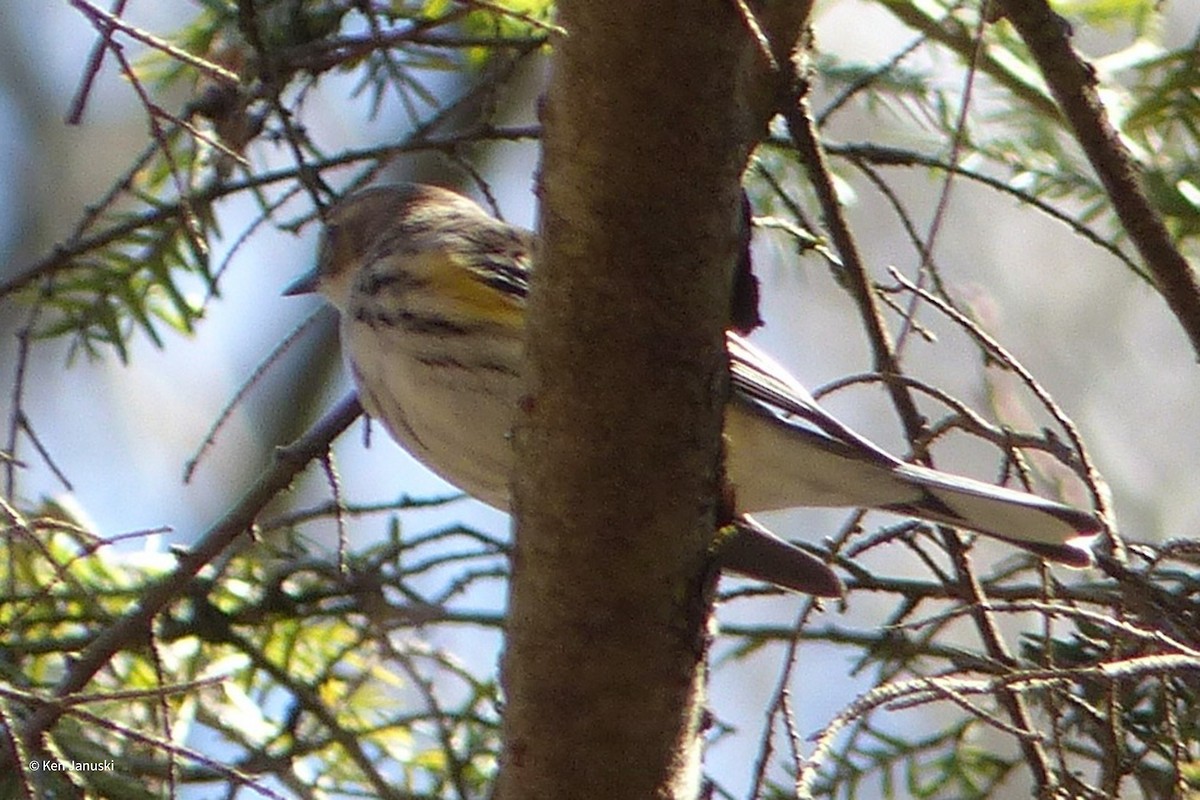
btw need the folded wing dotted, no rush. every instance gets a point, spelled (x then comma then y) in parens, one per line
(786, 451)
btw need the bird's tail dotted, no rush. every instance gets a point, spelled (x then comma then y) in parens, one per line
(1049, 529)
(753, 551)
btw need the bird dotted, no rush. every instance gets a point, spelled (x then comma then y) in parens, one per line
(431, 292)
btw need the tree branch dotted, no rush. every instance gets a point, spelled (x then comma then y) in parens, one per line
(133, 629)
(1073, 83)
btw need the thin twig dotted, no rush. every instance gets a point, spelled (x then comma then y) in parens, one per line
(1073, 83)
(132, 628)
(210, 437)
(106, 22)
(92, 69)
(811, 153)
(1091, 475)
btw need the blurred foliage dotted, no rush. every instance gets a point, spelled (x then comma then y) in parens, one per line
(140, 258)
(283, 665)
(294, 673)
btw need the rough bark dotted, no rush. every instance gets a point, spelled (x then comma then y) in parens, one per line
(651, 112)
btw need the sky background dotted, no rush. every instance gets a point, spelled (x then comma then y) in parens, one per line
(1103, 343)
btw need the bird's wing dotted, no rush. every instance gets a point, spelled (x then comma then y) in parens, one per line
(823, 458)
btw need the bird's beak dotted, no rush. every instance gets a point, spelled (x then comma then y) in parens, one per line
(305, 284)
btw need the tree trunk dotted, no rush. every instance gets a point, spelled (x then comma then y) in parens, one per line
(648, 125)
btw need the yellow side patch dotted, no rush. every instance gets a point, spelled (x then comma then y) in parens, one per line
(466, 293)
